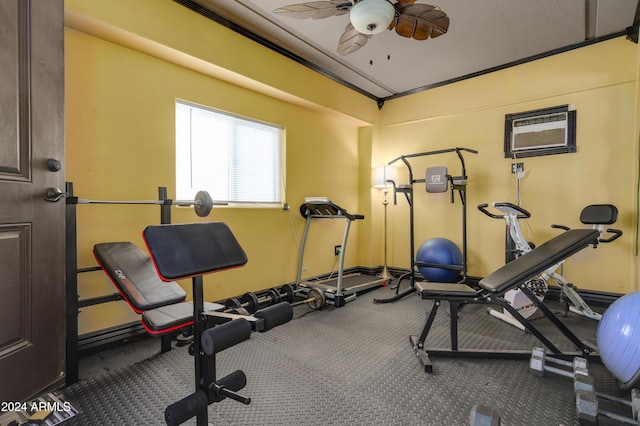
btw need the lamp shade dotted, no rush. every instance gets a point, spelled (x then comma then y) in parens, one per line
(371, 16)
(383, 174)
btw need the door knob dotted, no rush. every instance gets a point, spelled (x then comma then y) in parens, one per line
(54, 194)
(54, 165)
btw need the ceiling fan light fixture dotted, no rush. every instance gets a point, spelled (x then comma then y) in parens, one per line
(371, 16)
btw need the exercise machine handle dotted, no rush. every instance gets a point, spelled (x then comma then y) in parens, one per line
(483, 209)
(616, 234)
(504, 207)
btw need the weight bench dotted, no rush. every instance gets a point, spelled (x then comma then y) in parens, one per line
(160, 303)
(191, 251)
(492, 289)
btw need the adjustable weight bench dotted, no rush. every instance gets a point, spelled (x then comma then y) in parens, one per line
(191, 251)
(492, 289)
(160, 303)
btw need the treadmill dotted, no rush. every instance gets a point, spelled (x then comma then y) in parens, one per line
(344, 288)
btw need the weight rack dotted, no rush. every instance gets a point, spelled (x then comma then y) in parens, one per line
(74, 304)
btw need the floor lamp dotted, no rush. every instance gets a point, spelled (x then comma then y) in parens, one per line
(384, 177)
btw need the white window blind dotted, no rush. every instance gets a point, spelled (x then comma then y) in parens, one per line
(236, 160)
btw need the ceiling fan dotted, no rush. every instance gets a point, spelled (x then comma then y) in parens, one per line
(369, 17)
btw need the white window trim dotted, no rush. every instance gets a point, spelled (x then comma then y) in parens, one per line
(188, 191)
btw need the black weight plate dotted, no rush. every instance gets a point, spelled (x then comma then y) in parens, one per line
(184, 340)
(203, 204)
(232, 303)
(287, 293)
(274, 295)
(250, 302)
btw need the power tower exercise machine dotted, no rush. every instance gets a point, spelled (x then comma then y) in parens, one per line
(436, 179)
(344, 288)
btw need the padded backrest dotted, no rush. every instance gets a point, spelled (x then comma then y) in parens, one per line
(132, 272)
(436, 179)
(599, 214)
(539, 259)
(187, 250)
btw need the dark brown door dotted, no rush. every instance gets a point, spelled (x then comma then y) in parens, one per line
(32, 290)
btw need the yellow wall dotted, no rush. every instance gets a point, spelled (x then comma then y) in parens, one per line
(124, 71)
(600, 80)
(120, 101)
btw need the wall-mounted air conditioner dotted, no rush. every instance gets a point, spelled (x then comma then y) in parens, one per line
(540, 132)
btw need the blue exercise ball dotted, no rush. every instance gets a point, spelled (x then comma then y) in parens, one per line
(439, 251)
(618, 338)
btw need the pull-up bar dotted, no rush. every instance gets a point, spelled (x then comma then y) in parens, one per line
(458, 151)
(440, 151)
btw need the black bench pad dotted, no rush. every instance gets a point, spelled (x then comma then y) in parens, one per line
(132, 272)
(429, 290)
(189, 250)
(172, 317)
(538, 260)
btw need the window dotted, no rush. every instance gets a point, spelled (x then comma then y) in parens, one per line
(234, 159)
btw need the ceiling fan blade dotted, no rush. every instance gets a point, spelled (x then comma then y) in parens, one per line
(350, 41)
(315, 9)
(420, 21)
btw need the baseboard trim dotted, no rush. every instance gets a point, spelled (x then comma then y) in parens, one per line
(109, 338)
(113, 337)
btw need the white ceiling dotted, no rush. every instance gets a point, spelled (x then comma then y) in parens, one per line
(483, 35)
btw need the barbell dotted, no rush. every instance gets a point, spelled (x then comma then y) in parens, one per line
(202, 204)
(250, 302)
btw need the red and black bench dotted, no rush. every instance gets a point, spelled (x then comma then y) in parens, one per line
(148, 285)
(492, 288)
(161, 303)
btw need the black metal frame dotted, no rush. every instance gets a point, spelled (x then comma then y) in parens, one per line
(457, 183)
(487, 298)
(73, 302)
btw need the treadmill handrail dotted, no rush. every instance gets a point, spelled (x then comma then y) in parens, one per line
(326, 210)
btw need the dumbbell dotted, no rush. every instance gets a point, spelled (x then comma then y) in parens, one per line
(579, 369)
(481, 415)
(250, 302)
(587, 409)
(539, 360)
